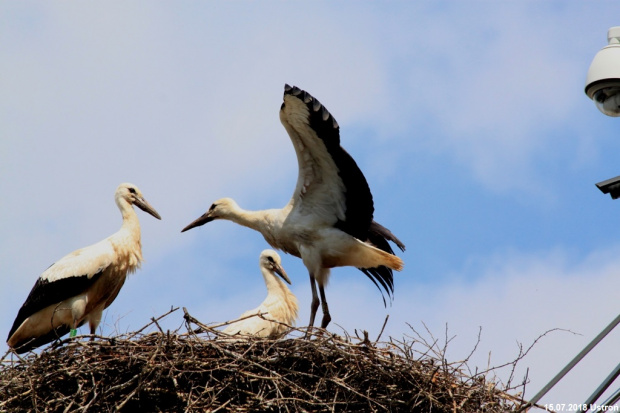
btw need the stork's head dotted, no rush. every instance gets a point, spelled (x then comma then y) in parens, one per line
(224, 208)
(131, 194)
(270, 260)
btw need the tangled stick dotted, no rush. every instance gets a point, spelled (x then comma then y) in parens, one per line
(197, 371)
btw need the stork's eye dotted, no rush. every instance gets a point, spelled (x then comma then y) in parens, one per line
(270, 259)
(132, 190)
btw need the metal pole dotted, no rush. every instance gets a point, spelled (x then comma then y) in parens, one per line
(612, 399)
(601, 389)
(576, 360)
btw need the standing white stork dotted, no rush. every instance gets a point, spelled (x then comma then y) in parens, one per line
(280, 304)
(329, 220)
(78, 287)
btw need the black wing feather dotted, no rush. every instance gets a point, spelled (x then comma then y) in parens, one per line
(33, 343)
(358, 199)
(45, 293)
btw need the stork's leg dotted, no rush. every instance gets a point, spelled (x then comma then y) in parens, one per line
(78, 309)
(94, 319)
(314, 305)
(326, 317)
(74, 326)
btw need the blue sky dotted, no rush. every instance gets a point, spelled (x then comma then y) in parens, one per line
(469, 121)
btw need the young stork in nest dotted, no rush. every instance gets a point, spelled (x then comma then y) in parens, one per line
(279, 306)
(78, 287)
(329, 220)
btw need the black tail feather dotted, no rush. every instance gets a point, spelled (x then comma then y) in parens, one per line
(380, 235)
(382, 277)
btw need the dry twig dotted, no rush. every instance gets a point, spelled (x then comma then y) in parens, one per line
(197, 371)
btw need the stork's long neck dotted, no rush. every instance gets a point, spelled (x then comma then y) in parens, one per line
(279, 296)
(131, 224)
(275, 286)
(261, 221)
(127, 239)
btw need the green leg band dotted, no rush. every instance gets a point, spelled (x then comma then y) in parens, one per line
(73, 332)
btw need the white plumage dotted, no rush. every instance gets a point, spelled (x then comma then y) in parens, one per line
(78, 287)
(280, 305)
(329, 219)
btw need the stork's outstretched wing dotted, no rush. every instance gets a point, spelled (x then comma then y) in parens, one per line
(330, 186)
(68, 277)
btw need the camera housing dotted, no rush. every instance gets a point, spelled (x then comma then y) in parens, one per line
(603, 78)
(610, 186)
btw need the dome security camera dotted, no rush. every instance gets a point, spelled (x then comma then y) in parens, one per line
(603, 79)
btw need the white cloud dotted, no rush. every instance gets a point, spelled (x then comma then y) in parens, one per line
(186, 108)
(183, 101)
(499, 92)
(516, 298)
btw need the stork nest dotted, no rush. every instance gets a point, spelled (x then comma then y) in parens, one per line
(200, 371)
